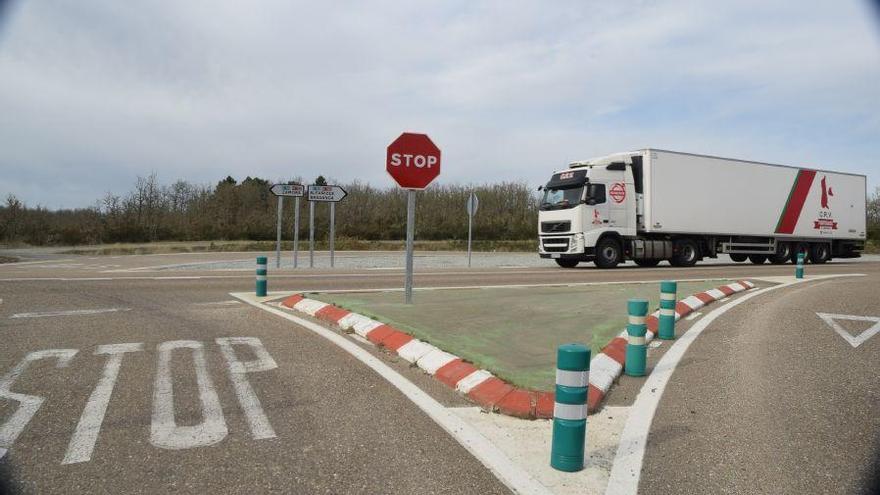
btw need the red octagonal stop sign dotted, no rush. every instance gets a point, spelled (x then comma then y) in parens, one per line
(413, 160)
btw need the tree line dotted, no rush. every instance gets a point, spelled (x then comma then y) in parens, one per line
(246, 210)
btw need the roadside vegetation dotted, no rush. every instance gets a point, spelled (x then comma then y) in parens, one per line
(369, 218)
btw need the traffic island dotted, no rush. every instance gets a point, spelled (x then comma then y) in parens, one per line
(497, 345)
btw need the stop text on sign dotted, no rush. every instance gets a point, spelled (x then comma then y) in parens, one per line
(418, 161)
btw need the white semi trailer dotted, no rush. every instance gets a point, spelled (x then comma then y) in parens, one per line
(652, 205)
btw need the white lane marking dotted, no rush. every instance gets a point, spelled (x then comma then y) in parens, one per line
(509, 473)
(238, 370)
(82, 444)
(854, 340)
(28, 404)
(627, 468)
(74, 312)
(218, 303)
(164, 431)
(693, 316)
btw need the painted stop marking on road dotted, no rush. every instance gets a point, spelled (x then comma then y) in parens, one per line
(618, 192)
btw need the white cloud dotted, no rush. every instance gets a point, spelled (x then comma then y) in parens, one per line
(97, 92)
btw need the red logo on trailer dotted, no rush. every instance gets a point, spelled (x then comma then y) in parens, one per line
(413, 160)
(618, 192)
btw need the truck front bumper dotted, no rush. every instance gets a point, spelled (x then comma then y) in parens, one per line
(563, 247)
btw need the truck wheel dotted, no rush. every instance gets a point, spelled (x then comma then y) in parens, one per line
(567, 263)
(783, 253)
(819, 253)
(647, 263)
(685, 253)
(800, 247)
(739, 258)
(758, 259)
(608, 253)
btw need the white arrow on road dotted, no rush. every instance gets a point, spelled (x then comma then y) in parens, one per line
(856, 340)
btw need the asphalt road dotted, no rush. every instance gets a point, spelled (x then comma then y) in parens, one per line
(336, 427)
(324, 423)
(770, 399)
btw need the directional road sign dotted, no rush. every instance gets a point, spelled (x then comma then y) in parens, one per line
(327, 194)
(295, 190)
(413, 160)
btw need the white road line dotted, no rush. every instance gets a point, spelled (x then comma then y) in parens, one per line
(486, 452)
(73, 312)
(82, 444)
(627, 468)
(218, 303)
(693, 316)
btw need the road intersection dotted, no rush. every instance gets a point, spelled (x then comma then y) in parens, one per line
(151, 380)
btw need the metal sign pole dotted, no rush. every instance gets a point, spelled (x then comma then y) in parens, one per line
(332, 231)
(410, 234)
(278, 233)
(470, 232)
(295, 230)
(311, 234)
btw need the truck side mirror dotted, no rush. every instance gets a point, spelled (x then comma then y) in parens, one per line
(540, 188)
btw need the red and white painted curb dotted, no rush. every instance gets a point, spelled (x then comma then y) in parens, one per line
(480, 385)
(607, 365)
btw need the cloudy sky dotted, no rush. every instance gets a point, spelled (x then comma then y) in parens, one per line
(96, 92)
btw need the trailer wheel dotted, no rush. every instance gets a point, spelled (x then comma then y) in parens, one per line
(758, 259)
(819, 253)
(800, 247)
(739, 258)
(783, 253)
(608, 253)
(647, 263)
(685, 253)
(567, 263)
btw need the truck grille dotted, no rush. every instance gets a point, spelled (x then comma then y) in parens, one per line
(556, 226)
(555, 245)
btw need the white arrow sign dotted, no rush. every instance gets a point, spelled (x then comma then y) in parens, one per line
(331, 194)
(295, 190)
(857, 340)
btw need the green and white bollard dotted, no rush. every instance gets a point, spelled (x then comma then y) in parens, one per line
(666, 327)
(570, 409)
(261, 276)
(636, 350)
(799, 271)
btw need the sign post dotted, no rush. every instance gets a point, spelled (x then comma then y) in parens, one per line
(311, 234)
(295, 230)
(324, 194)
(413, 161)
(295, 191)
(472, 204)
(278, 233)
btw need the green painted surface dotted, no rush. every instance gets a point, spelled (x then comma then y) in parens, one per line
(512, 332)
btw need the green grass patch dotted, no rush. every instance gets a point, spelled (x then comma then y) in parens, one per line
(512, 332)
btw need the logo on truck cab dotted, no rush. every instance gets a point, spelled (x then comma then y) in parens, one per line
(618, 192)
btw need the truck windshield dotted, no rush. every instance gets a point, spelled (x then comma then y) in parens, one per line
(561, 198)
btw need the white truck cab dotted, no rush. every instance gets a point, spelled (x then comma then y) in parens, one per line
(583, 202)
